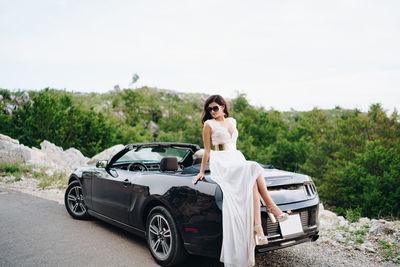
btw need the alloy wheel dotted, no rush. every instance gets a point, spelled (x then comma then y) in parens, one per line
(76, 202)
(160, 236)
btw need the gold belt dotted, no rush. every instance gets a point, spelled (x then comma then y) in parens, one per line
(219, 147)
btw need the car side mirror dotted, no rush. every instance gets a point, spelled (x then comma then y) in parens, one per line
(102, 164)
(113, 173)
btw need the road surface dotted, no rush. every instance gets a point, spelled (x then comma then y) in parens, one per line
(40, 232)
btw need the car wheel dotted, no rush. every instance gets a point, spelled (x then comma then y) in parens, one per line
(163, 239)
(75, 202)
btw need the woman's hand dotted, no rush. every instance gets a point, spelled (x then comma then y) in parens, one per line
(198, 177)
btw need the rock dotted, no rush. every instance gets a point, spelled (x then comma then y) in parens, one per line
(376, 227)
(120, 114)
(25, 97)
(106, 154)
(74, 158)
(327, 218)
(55, 158)
(340, 239)
(50, 147)
(368, 246)
(8, 109)
(363, 221)
(389, 228)
(8, 139)
(343, 223)
(153, 127)
(50, 156)
(13, 152)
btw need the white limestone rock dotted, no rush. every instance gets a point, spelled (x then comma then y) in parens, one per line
(25, 97)
(327, 218)
(8, 139)
(14, 152)
(106, 154)
(376, 227)
(153, 127)
(50, 155)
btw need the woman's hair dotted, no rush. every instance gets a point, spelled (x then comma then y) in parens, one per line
(217, 99)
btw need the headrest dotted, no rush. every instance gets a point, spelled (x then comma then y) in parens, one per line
(169, 164)
(197, 161)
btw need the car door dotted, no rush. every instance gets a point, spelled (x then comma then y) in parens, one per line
(111, 194)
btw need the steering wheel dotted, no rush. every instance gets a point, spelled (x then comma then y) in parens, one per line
(137, 167)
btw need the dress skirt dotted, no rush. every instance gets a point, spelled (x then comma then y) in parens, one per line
(236, 177)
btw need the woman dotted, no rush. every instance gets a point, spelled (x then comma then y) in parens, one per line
(241, 182)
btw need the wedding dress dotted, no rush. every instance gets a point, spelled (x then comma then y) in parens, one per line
(236, 177)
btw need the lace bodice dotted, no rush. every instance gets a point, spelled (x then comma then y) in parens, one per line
(221, 135)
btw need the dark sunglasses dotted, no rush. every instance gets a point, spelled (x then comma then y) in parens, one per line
(214, 108)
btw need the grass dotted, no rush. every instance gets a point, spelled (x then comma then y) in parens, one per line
(353, 215)
(58, 179)
(7, 169)
(15, 170)
(19, 170)
(343, 228)
(389, 251)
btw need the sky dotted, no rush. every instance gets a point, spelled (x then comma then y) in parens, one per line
(282, 54)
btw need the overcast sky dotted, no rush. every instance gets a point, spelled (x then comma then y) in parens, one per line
(282, 54)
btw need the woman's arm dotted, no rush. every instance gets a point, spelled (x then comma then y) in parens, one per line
(206, 154)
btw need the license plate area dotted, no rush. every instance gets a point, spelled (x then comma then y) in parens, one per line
(291, 227)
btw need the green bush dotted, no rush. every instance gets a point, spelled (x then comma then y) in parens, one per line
(353, 157)
(9, 167)
(353, 215)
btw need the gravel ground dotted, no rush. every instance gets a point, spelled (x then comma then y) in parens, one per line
(318, 254)
(323, 252)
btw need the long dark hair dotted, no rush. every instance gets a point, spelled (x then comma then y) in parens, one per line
(217, 99)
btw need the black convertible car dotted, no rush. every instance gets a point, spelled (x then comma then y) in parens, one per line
(147, 189)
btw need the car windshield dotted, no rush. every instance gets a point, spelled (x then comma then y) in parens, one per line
(152, 154)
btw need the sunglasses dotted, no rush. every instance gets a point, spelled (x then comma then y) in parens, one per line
(214, 108)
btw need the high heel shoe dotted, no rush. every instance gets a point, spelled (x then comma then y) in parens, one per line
(261, 240)
(281, 217)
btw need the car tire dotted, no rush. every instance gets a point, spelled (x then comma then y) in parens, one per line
(75, 202)
(163, 239)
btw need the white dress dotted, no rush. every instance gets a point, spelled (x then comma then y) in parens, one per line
(236, 177)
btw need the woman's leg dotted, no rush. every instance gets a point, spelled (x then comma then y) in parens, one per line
(261, 239)
(257, 210)
(262, 188)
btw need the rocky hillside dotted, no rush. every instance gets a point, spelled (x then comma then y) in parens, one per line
(50, 156)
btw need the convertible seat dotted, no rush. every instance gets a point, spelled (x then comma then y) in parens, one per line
(197, 161)
(169, 164)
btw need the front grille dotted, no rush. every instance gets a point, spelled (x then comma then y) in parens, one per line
(308, 217)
